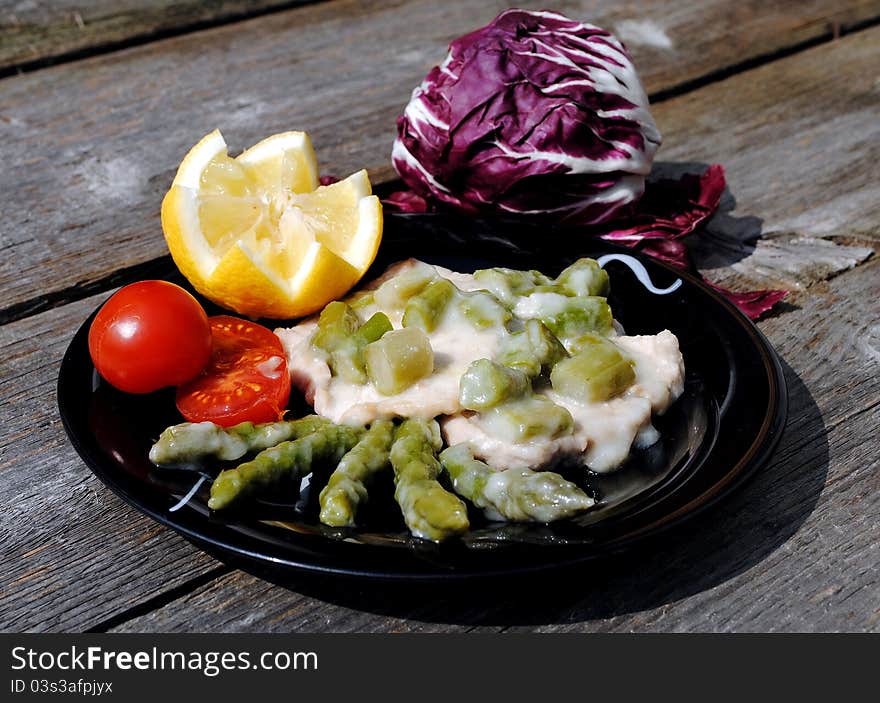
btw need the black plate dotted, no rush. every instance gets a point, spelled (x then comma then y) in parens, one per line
(722, 429)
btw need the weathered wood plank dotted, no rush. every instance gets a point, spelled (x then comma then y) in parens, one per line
(795, 550)
(800, 148)
(831, 334)
(74, 553)
(785, 259)
(39, 31)
(91, 146)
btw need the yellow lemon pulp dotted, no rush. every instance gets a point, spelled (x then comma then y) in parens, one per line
(257, 234)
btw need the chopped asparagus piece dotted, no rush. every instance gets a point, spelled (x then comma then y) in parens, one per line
(399, 359)
(429, 510)
(545, 346)
(526, 418)
(347, 486)
(336, 324)
(347, 360)
(483, 310)
(509, 284)
(373, 329)
(195, 441)
(540, 304)
(580, 316)
(293, 459)
(583, 278)
(486, 384)
(599, 371)
(531, 279)
(426, 309)
(532, 350)
(515, 494)
(396, 291)
(361, 299)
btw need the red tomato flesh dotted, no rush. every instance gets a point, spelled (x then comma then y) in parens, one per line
(246, 380)
(149, 335)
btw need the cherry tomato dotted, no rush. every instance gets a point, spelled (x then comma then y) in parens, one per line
(149, 335)
(246, 380)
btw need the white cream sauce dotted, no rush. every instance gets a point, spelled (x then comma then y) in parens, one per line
(455, 342)
(603, 433)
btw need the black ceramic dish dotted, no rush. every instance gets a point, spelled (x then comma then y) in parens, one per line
(722, 429)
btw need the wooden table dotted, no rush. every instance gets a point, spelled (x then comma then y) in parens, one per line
(98, 102)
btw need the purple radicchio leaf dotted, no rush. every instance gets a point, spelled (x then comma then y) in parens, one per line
(539, 115)
(532, 114)
(670, 208)
(406, 201)
(672, 251)
(753, 303)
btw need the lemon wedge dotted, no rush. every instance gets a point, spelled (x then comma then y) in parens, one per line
(258, 235)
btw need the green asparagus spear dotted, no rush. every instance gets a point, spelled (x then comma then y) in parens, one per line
(515, 494)
(429, 510)
(397, 290)
(486, 384)
(373, 328)
(426, 309)
(194, 441)
(580, 316)
(347, 489)
(291, 459)
(509, 284)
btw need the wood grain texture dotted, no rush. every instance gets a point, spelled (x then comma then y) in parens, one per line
(40, 30)
(800, 143)
(91, 146)
(46, 29)
(795, 550)
(73, 553)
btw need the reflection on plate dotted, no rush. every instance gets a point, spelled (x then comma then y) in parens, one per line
(720, 431)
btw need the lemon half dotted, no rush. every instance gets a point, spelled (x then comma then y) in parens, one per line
(258, 235)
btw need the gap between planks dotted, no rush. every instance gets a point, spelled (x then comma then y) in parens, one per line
(755, 61)
(161, 599)
(148, 37)
(835, 31)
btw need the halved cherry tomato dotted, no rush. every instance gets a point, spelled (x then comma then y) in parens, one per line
(149, 335)
(246, 379)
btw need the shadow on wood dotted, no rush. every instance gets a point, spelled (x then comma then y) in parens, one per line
(722, 543)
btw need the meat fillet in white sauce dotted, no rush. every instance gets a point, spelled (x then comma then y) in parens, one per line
(596, 433)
